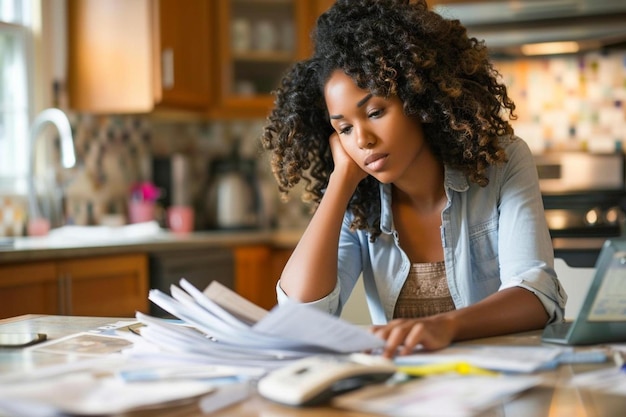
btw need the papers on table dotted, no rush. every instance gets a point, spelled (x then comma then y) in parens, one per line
(524, 359)
(445, 395)
(99, 379)
(92, 387)
(221, 327)
(609, 380)
(83, 344)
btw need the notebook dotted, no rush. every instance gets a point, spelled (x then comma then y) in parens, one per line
(602, 317)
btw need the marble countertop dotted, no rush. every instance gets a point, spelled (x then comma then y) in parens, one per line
(71, 245)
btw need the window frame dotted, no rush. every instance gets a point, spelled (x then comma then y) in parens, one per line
(22, 29)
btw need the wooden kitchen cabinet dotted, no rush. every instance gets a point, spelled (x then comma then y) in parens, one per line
(144, 55)
(115, 286)
(257, 270)
(185, 43)
(29, 288)
(104, 286)
(138, 56)
(257, 41)
(253, 280)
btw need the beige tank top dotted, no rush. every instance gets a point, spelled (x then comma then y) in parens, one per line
(425, 292)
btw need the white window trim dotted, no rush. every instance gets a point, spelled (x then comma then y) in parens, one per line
(18, 184)
(45, 62)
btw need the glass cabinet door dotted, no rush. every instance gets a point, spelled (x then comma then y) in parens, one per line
(259, 41)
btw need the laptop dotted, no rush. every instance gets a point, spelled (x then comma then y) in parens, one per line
(602, 317)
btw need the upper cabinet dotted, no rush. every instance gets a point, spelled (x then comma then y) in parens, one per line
(258, 40)
(221, 58)
(136, 56)
(184, 44)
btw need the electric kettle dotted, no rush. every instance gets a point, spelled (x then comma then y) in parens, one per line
(232, 199)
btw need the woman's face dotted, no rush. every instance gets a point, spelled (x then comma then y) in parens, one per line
(374, 131)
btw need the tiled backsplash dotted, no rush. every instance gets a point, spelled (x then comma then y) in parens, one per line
(12, 216)
(571, 101)
(565, 102)
(112, 152)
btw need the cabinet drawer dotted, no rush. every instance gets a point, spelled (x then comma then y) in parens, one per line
(28, 289)
(105, 286)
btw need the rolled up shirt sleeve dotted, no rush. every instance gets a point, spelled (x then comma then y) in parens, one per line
(329, 304)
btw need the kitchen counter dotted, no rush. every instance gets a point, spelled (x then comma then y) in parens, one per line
(23, 249)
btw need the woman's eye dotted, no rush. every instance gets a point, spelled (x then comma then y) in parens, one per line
(375, 113)
(345, 130)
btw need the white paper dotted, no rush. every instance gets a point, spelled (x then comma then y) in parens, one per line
(449, 395)
(609, 380)
(87, 393)
(213, 307)
(311, 326)
(187, 339)
(112, 384)
(185, 308)
(223, 336)
(234, 303)
(497, 358)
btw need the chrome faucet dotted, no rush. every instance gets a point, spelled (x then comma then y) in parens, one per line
(68, 156)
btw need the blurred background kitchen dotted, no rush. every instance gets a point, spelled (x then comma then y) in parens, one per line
(166, 101)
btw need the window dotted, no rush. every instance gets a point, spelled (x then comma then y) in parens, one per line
(15, 57)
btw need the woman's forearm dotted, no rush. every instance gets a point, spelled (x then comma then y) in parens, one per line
(311, 272)
(508, 311)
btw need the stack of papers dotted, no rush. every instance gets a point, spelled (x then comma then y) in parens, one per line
(218, 326)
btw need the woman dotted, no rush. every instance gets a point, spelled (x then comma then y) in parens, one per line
(397, 127)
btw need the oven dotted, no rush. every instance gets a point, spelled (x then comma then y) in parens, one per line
(584, 197)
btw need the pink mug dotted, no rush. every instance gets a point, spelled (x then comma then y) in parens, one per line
(141, 211)
(180, 219)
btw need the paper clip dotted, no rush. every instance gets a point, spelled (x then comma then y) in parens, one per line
(462, 368)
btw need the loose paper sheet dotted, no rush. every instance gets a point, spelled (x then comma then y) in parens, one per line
(449, 395)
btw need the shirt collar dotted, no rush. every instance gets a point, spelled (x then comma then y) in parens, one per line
(454, 180)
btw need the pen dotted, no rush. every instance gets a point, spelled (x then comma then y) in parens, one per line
(462, 368)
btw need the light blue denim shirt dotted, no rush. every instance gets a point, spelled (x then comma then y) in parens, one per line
(493, 237)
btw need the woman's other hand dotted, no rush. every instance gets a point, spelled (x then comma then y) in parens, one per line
(404, 335)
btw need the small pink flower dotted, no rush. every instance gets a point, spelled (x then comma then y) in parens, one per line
(145, 191)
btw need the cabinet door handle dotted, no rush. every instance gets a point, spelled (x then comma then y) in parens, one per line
(167, 68)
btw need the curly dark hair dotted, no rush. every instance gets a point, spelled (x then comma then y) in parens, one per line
(389, 47)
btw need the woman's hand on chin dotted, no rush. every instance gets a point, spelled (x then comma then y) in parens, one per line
(345, 166)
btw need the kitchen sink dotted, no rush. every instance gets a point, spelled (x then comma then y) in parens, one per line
(71, 235)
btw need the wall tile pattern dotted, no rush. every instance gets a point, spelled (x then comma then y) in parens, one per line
(575, 102)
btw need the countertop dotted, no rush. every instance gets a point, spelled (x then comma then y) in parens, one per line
(21, 249)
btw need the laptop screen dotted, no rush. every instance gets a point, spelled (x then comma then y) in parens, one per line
(610, 300)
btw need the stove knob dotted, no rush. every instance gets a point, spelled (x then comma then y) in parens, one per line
(593, 216)
(614, 216)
